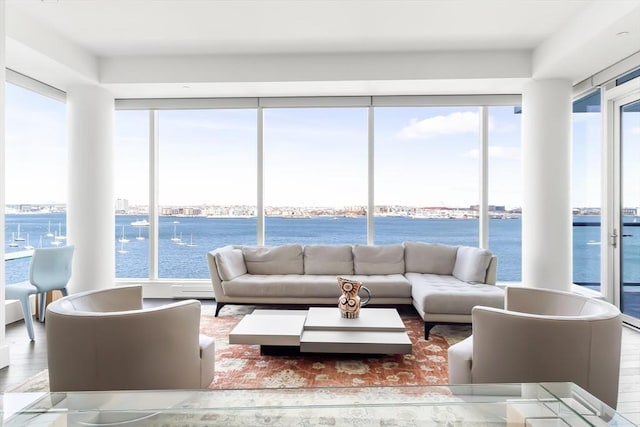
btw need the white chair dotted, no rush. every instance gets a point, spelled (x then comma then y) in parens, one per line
(543, 336)
(22, 292)
(50, 270)
(105, 340)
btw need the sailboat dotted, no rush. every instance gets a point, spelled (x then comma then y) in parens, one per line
(60, 236)
(19, 238)
(49, 233)
(123, 239)
(191, 244)
(139, 234)
(179, 241)
(175, 237)
(56, 241)
(122, 250)
(40, 242)
(27, 246)
(13, 243)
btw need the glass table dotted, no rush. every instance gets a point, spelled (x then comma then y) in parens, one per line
(533, 405)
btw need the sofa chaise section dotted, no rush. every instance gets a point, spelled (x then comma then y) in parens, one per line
(448, 281)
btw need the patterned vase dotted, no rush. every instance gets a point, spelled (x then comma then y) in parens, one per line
(349, 302)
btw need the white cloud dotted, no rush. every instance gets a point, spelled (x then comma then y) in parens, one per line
(451, 124)
(498, 153)
(505, 153)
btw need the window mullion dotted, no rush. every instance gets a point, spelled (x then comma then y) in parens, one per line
(483, 208)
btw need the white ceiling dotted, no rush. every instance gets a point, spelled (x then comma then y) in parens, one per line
(132, 27)
(140, 47)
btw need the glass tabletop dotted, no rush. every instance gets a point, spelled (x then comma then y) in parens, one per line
(540, 404)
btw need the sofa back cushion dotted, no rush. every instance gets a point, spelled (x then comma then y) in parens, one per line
(328, 259)
(230, 264)
(471, 264)
(387, 259)
(285, 259)
(429, 258)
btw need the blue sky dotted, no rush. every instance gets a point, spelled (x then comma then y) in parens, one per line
(313, 157)
(318, 157)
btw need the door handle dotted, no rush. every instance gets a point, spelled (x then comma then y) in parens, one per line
(613, 238)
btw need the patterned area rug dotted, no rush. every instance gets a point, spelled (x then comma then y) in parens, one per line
(242, 366)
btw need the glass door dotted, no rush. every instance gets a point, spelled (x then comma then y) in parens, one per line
(628, 283)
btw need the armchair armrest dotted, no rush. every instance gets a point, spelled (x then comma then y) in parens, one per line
(541, 301)
(207, 360)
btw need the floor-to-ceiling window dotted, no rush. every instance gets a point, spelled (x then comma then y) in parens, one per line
(35, 175)
(207, 186)
(131, 190)
(426, 174)
(315, 175)
(303, 171)
(505, 190)
(586, 189)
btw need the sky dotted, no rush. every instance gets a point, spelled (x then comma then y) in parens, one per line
(318, 156)
(424, 156)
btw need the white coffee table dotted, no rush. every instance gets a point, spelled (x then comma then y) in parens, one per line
(323, 330)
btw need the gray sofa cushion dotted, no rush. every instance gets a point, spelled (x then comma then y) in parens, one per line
(283, 286)
(431, 258)
(388, 259)
(285, 259)
(471, 264)
(230, 264)
(313, 286)
(328, 259)
(442, 294)
(384, 286)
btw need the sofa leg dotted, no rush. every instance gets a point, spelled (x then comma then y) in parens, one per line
(427, 327)
(219, 306)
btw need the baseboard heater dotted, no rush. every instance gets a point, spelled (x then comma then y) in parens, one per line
(191, 291)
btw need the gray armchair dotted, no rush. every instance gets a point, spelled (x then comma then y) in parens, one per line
(543, 336)
(105, 340)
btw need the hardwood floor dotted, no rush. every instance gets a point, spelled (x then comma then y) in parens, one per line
(629, 389)
(30, 357)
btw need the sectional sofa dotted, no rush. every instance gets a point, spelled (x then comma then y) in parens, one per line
(442, 282)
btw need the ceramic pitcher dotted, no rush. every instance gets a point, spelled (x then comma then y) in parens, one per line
(349, 302)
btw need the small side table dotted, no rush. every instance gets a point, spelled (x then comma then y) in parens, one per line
(50, 297)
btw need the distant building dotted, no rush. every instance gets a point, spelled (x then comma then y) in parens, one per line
(122, 206)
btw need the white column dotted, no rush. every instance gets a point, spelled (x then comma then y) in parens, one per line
(4, 348)
(90, 208)
(547, 249)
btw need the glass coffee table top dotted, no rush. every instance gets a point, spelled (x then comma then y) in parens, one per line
(544, 404)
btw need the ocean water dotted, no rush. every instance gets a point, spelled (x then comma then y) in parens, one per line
(185, 256)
